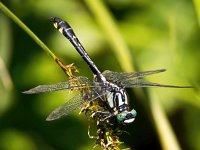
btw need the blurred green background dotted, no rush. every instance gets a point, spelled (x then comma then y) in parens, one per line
(158, 34)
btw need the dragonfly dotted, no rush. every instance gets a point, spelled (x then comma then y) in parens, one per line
(108, 86)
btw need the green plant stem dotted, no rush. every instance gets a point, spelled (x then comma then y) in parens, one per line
(26, 29)
(112, 33)
(197, 7)
(5, 76)
(166, 135)
(109, 27)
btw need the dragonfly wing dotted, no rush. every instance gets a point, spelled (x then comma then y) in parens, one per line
(66, 108)
(71, 84)
(143, 83)
(73, 104)
(123, 76)
(48, 88)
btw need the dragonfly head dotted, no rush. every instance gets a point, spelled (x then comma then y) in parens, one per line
(127, 116)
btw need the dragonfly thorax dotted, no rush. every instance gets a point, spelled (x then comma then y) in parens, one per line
(117, 101)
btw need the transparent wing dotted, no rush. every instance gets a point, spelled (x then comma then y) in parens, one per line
(134, 79)
(123, 76)
(74, 103)
(142, 83)
(74, 83)
(71, 105)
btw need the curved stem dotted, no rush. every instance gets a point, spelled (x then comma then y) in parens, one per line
(35, 38)
(26, 29)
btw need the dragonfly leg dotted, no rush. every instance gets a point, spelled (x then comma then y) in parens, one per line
(91, 136)
(107, 117)
(98, 113)
(104, 115)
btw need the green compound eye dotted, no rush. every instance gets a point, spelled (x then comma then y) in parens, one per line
(133, 112)
(127, 117)
(121, 116)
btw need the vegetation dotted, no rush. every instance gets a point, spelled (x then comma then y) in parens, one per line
(119, 36)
